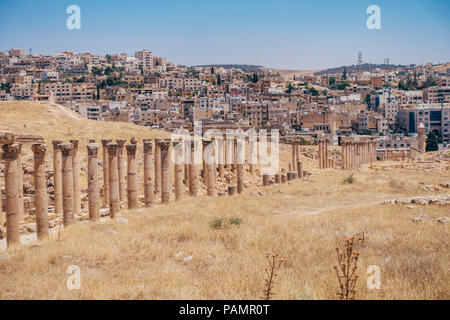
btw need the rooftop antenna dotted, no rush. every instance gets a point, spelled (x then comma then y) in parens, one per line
(360, 62)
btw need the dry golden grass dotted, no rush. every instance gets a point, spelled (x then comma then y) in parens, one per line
(172, 252)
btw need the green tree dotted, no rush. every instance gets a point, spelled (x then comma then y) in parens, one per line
(290, 88)
(367, 100)
(344, 74)
(219, 80)
(432, 142)
(313, 91)
(332, 81)
(255, 78)
(6, 86)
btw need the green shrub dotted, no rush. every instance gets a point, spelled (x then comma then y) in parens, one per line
(350, 179)
(235, 221)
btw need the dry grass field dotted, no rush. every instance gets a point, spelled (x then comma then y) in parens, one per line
(215, 248)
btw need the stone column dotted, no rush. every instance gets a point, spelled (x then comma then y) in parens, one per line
(221, 156)
(240, 160)
(187, 160)
(234, 166)
(294, 152)
(253, 152)
(105, 173)
(149, 192)
(122, 171)
(93, 186)
(299, 169)
(283, 178)
(266, 178)
(76, 177)
(326, 156)
(178, 147)
(114, 196)
(208, 152)
(166, 186)
(320, 154)
(291, 167)
(67, 185)
(132, 177)
(10, 154)
(193, 171)
(20, 167)
(277, 178)
(157, 166)
(57, 177)
(40, 191)
(344, 157)
(353, 156)
(231, 190)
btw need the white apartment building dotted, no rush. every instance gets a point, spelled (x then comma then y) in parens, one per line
(192, 84)
(145, 59)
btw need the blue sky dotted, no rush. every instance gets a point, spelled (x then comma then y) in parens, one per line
(296, 34)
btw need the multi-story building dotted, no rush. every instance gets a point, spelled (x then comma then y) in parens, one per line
(434, 117)
(437, 94)
(145, 59)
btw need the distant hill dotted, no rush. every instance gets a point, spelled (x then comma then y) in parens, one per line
(369, 67)
(244, 67)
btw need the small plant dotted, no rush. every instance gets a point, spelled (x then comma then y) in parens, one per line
(235, 221)
(360, 237)
(346, 270)
(350, 179)
(217, 224)
(274, 263)
(220, 223)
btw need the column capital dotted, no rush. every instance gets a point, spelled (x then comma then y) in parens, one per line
(7, 137)
(148, 145)
(164, 144)
(120, 143)
(66, 149)
(131, 149)
(56, 144)
(133, 140)
(92, 149)
(75, 144)
(112, 148)
(39, 149)
(11, 151)
(105, 142)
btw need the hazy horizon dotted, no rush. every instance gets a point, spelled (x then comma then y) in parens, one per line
(290, 35)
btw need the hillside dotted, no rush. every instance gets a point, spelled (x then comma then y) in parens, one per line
(189, 249)
(215, 248)
(54, 121)
(365, 67)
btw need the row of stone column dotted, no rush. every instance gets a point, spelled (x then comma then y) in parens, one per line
(355, 154)
(117, 188)
(324, 160)
(11, 153)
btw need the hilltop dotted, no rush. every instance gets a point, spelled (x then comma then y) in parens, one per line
(365, 67)
(54, 121)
